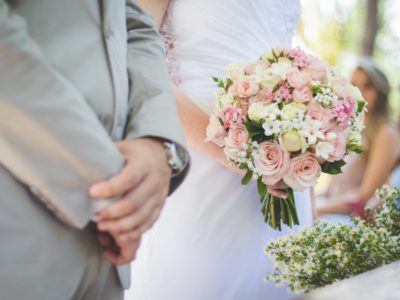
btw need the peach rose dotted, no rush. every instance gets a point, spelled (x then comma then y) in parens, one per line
(215, 132)
(272, 162)
(302, 95)
(246, 88)
(256, 67)
(298, 79)
(303, 172)
(316, 112)
(236, 139)
(317, 69)
(339, 143)
(264, 96)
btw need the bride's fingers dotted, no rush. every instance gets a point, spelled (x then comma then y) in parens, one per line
(277, 193)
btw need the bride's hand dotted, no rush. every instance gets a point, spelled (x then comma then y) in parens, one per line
(277, 189)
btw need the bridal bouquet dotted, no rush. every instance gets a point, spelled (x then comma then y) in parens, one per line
(284, 119)
(327, 253)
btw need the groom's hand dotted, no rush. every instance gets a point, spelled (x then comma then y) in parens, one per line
(114, 253)
(142, 185)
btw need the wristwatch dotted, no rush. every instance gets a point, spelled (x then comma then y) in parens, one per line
(177, 158)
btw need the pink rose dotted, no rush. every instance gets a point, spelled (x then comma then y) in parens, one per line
(302, 95)
(318, 113)
(342, 88)
(215, 132)
(303, 172)
(246, 88)
(298, 79)
(317, 69)
(236, 139)
(272, 162)
(339, 143)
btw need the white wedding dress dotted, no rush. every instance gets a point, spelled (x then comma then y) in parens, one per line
(209, 241)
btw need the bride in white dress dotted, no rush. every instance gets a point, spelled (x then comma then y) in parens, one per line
(209, 241)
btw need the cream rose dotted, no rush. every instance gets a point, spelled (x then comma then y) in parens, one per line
(303, 172)
(292, 141)
(271, 162)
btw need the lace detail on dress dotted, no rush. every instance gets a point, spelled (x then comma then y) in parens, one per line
(169, 42)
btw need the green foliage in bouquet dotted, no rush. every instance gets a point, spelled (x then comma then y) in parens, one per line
(328, 252)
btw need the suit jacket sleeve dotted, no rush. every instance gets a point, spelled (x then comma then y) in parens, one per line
(50, 139)
(153, 106)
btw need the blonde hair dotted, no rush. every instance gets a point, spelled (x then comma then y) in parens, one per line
(380, 114)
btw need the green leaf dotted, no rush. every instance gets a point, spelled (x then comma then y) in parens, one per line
(360, 105)
(219, 82)
(333, 168)
(354, 147)
(228, 83)
(253, 128)
(243, 166)
(262, 187)
(316, 89)
(247, 178)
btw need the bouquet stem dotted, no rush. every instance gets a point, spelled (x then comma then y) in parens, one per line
(278, 210)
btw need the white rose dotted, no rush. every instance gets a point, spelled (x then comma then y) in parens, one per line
(292, 141)
(293, 110)
(282, 68)
(267, 79)
(224, 100)
(256, 111)
(235, 70)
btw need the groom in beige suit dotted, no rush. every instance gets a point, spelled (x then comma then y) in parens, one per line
(89, 145)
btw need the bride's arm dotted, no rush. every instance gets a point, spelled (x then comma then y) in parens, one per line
(195, 121)
(193, 118)
(156, 8)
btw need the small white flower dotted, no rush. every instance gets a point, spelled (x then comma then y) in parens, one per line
(224, 101)
(323, 149)
(331, 136)
(282, 68)
(271, 127)
(311, 131)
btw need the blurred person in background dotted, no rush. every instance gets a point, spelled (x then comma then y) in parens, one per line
(349, 193)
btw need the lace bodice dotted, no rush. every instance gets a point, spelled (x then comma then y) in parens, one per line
(203, 37)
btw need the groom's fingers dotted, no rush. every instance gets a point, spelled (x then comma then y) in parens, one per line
(129, 236)
(129, 203)
(126, 254)
(129, 177)
(131, 221)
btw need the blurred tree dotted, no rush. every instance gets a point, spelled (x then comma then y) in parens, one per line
(371, 28)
